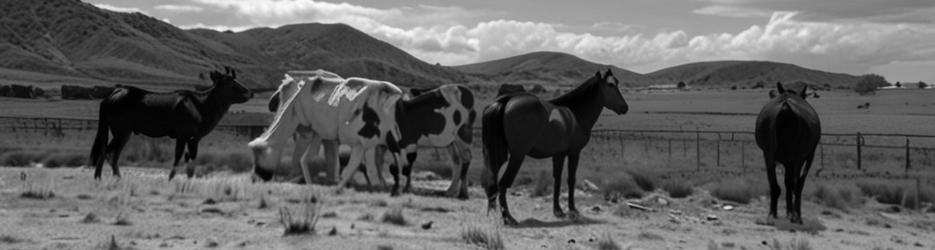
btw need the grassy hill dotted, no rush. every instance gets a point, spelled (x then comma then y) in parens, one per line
(748, 73)
(65, 40)
(547, 68)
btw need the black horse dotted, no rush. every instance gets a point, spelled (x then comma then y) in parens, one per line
(788, 130)
(520, 124)
(184, 115)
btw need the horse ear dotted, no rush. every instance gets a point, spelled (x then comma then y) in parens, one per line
(804, 88)
(609, 72)
(779, 88)
(598, 74)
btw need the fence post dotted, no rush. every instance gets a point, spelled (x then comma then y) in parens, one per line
(859, 141)
(697, 150)
(743, 157)
(907, 160)
(670, 150)
(718, 149)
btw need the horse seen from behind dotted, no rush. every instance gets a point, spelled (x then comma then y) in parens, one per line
(788, 131)
(519, 124)
(184, 115)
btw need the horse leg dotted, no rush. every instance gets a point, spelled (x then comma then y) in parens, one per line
(407, 169)
(465, 164)
(331, 159)
(179, 149)
(512, 168)
(792, 174)
(116, 146)
(190, 157)
(491, 185)
(394, 170)
(302, 145)
(461, 159)
(572, 177)
(375, 163)
(558, 162)
(774, 190)
(801, 185)
(352, 166)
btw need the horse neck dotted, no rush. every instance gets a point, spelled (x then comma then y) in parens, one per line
(584, 102)
(212, 108)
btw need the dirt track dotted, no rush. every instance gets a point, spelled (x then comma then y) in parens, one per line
(178, 215)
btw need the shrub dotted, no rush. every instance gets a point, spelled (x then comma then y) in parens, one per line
(485, 238)
(622, 186)
(394, 216)
(794, 244)
(738, 190)
(20, 158)
(868, 84)
(840, 197)
(644, 178)
(678, 189)
(883, 191)
(65, 159)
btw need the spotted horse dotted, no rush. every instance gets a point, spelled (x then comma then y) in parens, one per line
(357, 112)
(440, 117)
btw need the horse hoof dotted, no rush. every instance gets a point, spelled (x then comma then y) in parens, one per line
(559, 213)
(509, 221)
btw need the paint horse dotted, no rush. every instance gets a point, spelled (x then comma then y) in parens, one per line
(440, 117)
(788, 130)
(355, 111)
(303, 137)
(519, 124)
(184, 115)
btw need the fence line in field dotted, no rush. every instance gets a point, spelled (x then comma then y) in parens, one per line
(616, 139)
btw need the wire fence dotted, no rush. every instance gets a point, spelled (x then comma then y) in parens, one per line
(843, 154)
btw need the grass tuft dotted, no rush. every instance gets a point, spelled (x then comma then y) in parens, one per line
(123, 219)
(883, 191)
(21, 158)
(394, 216)
(838, 197)
(305, 221)
(738, 190)
(678, 189)
(644, 178)
(794, 244)
(41, 187)
(486, 238)
(90, 218)
(606, 242)
(9, 239)
(65, 159)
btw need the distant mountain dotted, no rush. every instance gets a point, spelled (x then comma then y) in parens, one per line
(547, 68)
(67, 40)
(748, 73)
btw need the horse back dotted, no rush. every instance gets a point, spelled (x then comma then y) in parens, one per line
(788, 129)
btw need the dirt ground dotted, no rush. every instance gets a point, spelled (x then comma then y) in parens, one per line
(145, 211)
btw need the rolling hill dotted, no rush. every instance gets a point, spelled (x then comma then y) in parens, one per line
(66, 40)
(748, 73)
(547, 68)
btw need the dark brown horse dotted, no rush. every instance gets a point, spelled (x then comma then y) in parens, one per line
(788, 130)
(520, 124)
(184, 115)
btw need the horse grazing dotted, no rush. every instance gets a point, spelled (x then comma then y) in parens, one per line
(440, 117)
(354, 111)
(185, 115)
(520, 124)
(788, 130)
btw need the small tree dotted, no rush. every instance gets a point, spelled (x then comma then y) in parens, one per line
(680, 85)
(899, 85)
(922, 85)
(868, 84)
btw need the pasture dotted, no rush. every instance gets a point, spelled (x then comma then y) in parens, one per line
(719, 165)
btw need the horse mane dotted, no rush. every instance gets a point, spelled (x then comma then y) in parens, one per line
(581, 91)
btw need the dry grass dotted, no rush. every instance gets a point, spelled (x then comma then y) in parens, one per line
(883, 191)
(649, 236)
(646, 179)
(739, 190)
(304, 222)
(678, 189)
(22, 158)
(90, 218)
(487, 238)
(622, 186)
(65, 159)
(606, 242)
(394, 216)
(39, 187)
(111, 244)
(840, 197)
(794, 244)
(123, 219)
(9, 239)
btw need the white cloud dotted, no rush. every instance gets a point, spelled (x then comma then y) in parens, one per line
(178, 8)
(731, 11)
(117, 8)
(437, 34)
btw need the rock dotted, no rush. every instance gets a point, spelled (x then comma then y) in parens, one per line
(210, 201)
(589, 186)
(427, 225)
(333, 232)
(675, 212)
(212, 244)
(727, 207)
(164, 245)
(662, 202)
(212, 210)
(571, 241)
(595, 209)
(711, 217)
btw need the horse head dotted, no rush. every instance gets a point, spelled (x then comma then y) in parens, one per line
(780, 91)
(227, 86)
(610, 92)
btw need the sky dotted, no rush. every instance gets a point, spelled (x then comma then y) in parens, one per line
(894, 38)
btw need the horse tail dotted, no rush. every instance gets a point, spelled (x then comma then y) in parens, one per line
(495, 145)
(100, 141)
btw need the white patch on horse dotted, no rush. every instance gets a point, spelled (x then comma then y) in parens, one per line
(343, 90)
(555, 116)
